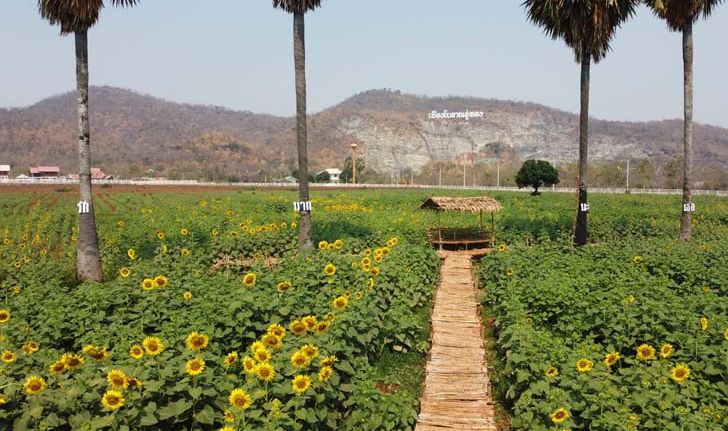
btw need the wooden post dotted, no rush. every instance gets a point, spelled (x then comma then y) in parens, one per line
(439, 230)
(492, 229)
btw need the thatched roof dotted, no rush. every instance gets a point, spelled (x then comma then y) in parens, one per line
(474, 204)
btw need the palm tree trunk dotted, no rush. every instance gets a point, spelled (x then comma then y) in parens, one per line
(305, 232)
(580, 222)
(686, 220)
(88, 259)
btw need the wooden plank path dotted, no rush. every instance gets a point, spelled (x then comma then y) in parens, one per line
(456, 393)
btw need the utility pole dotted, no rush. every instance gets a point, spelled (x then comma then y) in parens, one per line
(353, 163)
(412, 177)
(463, 174)
(439, 182)
(627, 173)
(497, 178)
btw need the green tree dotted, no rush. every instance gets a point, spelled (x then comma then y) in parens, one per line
(77, 17)
(347, 173)
(536, 173)
(322, 177)
(299, 8)
(680, 15)
(587, 27)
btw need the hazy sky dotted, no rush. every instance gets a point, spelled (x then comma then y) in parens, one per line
(238, 54)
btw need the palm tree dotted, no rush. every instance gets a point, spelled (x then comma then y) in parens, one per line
(587, 26)
(299, 8)
(77, 16)
(680, 16)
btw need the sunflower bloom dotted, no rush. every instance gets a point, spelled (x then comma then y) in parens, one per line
(680, 373)
(704, 323)
(666, 350)
(272, 341)
(240, 399)
(298, 327)
(73, 362)
(329, 269)
(117, 379)
(184, 231)
(30, 347)
(262, 355)
(147, 284)
(34, 385)
(325, 374)
(248, 365)
(637, 259)
(161, 281)
(284, 286)
(310, 351)
(277, 330)
(340, 303)
(301, 384)
(187, 295)
(323, 326)
(136, 351)
(57, 367)
(323, 245)
(611, 359)
(112, 400)
(645, 352)
(249, 279)
(725, 334)
(124, 272)
(560, 415)
(134, 383)
(584, 365)
(265, 372)
(153, 346)
(197, 341)
(131, 253)
(300, 360)
(229, 417)
(230, 359)
(4, 316)
(552, 372)
(8, 357)
(195, 367)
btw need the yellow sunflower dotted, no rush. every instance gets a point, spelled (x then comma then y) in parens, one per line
(136, 351)
(186, 251)
(329, 269)
(184, 231)
(680, 372)
(248, 365)
(509, 272)
(117, 379)
(277, 330)
(725, 334)
(30, 347)
(230, 359)
(8, 357)
(552, 372)
(301, 384)
(559, 415)
(583, 365)
(299, 359)
(72, 361)
(338, 244)
(197, 341)
(161, 281)
(374, 272)
(298, 327)
(187, 295)
(323, 326)
(323, 245)
(262, 355)
(131, 253)
(272, 341)
(328, 361)
(57, 367)
(325, 374)
(249, 279)
(611, 359)
(215, 232)
(160, 235)
(284, 286)
(310, 350)
(124, 272)
(645, 352)
(4, 316)
(112, 400)
(666, 350)
(637, 259)
(195, 367)
(229, 417)
(340, 303)
(704, 323)
(148, 284)
(310, 322)
(257, 345)
(153, 346)
(265, 372)
(34, 385)
(502, 247)
(240, 399)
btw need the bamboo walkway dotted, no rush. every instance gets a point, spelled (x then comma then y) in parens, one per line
(456, 393)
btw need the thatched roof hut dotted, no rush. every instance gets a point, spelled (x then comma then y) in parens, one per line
(472, 204)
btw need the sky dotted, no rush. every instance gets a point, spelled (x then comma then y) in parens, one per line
(238, 54)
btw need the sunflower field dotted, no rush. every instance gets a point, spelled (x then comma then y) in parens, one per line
(209, 317)
(627, 333)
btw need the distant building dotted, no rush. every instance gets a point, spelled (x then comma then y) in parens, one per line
(334, 174)
(45, 172)
(22, 177)
(4, 172)
(96, 174)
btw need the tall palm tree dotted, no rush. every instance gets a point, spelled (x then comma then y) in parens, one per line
(77, 16)
(587, 27)
(680, 16)
(299, 8)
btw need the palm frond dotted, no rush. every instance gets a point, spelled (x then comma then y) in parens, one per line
(75, 15)
(297, 6)
(587, 26)
(679, 13)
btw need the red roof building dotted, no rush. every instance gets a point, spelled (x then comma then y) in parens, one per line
(45, 172)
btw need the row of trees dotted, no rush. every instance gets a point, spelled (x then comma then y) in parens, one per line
(587, 26)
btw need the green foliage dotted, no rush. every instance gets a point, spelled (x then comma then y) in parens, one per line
(536, 173)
